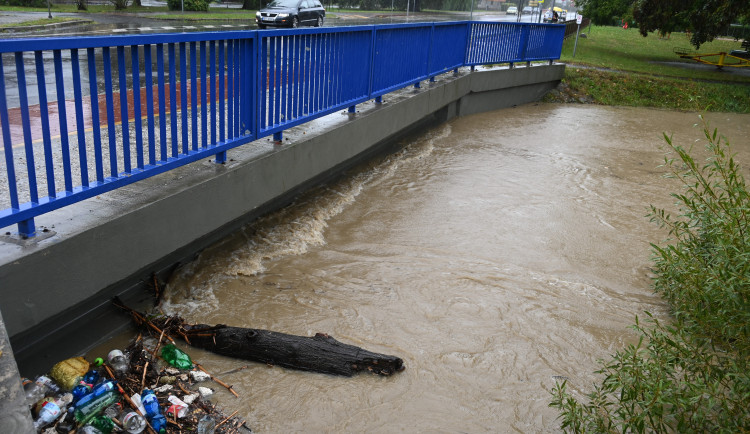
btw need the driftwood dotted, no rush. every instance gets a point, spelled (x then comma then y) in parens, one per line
(319, 353)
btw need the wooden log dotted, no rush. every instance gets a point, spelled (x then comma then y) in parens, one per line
(320, 353)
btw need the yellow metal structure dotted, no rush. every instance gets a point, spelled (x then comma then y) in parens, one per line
(719, 60)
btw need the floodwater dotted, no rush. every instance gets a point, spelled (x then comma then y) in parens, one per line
(495, 254)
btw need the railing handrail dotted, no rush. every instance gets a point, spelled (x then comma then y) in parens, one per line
(250, 84)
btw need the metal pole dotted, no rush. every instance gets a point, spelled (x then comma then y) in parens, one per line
(407, 10)
(576, 43)
(520, 10)
(540, 5)
(471, 15)
(49, 9)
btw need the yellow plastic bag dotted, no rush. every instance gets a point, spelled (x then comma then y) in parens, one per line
(69, 372)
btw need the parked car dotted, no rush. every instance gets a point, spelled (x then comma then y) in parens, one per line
(526, 10)
(291, 13)
(512, 11)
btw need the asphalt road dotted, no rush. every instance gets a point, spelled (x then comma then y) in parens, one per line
(130, 23)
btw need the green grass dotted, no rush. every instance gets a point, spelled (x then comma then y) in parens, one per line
(44, 21)
(627, 50)
(614, 66)
(642, 90)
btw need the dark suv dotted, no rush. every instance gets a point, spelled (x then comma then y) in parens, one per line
(291, 13)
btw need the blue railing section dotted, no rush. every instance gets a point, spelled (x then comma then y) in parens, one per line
(83, 116)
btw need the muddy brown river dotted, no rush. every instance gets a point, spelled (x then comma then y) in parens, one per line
(495, 254)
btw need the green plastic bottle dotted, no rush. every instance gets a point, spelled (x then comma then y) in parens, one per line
(176, 357)
(103, 424)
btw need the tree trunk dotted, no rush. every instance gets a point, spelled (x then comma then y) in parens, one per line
(320, 353)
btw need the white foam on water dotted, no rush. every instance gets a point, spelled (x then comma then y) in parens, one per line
(292, 230)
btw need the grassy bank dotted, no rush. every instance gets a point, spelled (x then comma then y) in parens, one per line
(644, 90)
(620, 67)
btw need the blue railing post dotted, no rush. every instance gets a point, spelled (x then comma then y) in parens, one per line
(26, 228)
(522, 46)
(352, 109)
(371, 68)
(428, 66)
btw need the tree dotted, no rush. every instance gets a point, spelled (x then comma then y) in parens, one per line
(251, 5)
(665, 16)
(704, 19)
(606, 12)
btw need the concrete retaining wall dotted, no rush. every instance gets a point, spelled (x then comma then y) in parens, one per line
(53, 290)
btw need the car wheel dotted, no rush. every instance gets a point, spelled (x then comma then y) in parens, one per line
(295, 22)
(320, 22)
(261, 26)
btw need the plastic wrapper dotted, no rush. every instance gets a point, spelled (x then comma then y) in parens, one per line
(68, 372)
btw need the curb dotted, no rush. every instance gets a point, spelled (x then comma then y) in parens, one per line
(20, 29)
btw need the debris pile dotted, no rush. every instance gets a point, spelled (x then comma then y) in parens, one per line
(150, 387)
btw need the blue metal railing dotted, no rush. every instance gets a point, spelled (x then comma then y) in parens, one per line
(83, 116)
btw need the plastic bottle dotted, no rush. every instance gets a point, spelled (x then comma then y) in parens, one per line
(117, 360)
(150, 403)
(98, 390)
(103, 424)
(176, 357)
(153, 411)
(159, 423)
(88, 429)
(49, 413)
(38, 389)
(133, 423)
(113, 411)
(91, 377)
(136, 398)
(95, 402)
(207, 425)
(81, 390)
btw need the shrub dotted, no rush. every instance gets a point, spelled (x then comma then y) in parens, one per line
(119, 4)
(691, 375)
(25, 3)
(189, 5)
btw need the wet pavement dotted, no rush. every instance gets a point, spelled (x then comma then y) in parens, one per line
(149, 22)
